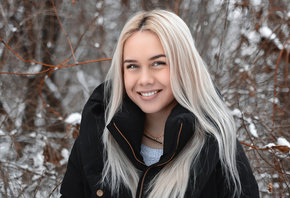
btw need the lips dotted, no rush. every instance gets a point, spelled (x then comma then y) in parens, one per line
(148, 94)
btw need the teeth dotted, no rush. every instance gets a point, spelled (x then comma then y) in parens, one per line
(149, 93)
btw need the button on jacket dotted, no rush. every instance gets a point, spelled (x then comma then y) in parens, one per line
(85, 165)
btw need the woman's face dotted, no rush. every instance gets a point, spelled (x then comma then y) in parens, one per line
(146, 73)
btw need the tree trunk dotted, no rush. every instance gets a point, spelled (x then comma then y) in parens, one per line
(49, 34)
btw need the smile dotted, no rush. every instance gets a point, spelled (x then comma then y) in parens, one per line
(147, 94)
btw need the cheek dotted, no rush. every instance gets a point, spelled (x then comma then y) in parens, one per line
(128, 82)
(165, 78)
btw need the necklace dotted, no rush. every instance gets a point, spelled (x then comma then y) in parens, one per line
(152, 137)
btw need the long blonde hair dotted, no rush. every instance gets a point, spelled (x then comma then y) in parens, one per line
(192, 88)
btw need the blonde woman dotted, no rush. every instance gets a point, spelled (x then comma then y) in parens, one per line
(157, 128)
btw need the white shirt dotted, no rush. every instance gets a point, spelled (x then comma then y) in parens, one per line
(150, 155)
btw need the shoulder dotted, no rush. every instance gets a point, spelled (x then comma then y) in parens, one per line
(211, 177)
(93, 122)
(90, 138)
(89, 144)
(93, 114)
(85, 164)
(248, 182)
(95, 106)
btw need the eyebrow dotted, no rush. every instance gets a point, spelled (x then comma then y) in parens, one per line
(157, 56)
(152, 58)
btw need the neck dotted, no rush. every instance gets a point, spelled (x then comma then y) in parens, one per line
(155, 123)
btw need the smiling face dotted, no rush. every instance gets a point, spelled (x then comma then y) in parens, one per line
(147, 74)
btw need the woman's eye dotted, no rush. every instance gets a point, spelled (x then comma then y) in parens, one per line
(131, 66)
(159, 63)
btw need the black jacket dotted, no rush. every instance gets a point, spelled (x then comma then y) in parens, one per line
(86, 160)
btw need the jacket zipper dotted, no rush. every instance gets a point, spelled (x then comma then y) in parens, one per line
(142, 183)
(129, 145)
(143, 178)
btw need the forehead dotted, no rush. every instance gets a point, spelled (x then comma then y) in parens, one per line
(142, 43)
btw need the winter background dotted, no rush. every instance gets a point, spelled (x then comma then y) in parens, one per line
(50, 63)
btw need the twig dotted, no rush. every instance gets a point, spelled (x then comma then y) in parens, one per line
(4, 180)
(257, 150)
(279, 147)
(38, 185)
(55, 188)
(275, 79)
(27, 74)
(72, 51)
(58, 66)
(223, 34)
(44, 104)
(87, 28)
(26, 61)
(61, 65)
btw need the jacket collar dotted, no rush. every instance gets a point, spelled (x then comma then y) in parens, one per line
(127, 129)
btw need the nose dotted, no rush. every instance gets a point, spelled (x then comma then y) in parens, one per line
(146, 77)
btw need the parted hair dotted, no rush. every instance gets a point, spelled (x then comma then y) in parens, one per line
(193, 88)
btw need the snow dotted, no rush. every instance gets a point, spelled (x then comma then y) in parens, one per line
(253, 130)
(73, 118)
(100, 20)
(33, 134)
(49, 44)
(53, 88)
(4, 149)
(13, 132)
(274, 100)
(12, 27)
(237, 113)
(280, 141)
(38, 160)
(84, 82)
(268, 33)
(35, 177)
(34, 68)
(252, 127)
(235, 14)
(245, 68)
(270, 145)
(253, 36)
(99, 5)
(256, 2)
(251, 88)
(283, 142)
(65, 155)
(237, 60)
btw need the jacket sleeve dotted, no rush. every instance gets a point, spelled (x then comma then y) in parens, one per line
(248, 182)
(74, 184)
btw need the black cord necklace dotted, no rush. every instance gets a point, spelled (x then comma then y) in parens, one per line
(153, 139)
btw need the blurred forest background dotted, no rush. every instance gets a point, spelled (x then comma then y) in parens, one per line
(54, 53)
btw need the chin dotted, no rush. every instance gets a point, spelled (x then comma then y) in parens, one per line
(150, 110)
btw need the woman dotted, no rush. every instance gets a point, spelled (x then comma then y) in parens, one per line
(158, 127)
